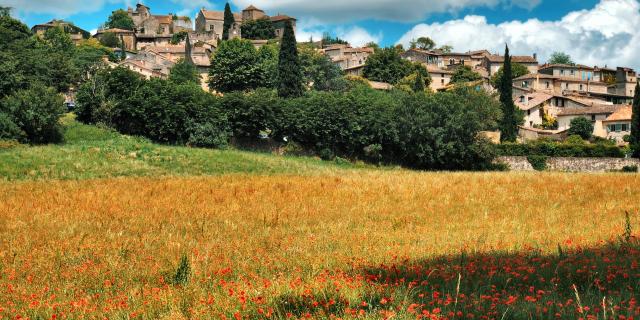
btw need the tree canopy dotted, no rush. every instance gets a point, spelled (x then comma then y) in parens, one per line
(234, 66)
(424, 43)
(582, 127)
(386, 65)
(517, 70)
(184, 72)
(119, 19)
(464, 74)
(260, 29)
(560, 58)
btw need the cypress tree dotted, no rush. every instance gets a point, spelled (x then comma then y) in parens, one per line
(634, 139)
(419, 85)
(187, 51)
(509, 122)
(123, 51)
(290, 83)
(229, 20)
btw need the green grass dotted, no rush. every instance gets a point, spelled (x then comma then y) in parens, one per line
(91, 152)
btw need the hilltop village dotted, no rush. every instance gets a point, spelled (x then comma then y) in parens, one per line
(551, 95)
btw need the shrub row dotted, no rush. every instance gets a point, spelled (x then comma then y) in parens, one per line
(424, 131)
(556, 149)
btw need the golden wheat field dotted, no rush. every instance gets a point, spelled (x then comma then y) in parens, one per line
(367, 244)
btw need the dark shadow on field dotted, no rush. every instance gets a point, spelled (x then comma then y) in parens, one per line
(568, 284)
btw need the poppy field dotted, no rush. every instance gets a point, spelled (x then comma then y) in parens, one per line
(366, 244)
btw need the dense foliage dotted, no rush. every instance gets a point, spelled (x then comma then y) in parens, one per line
(319, 71)
(582, 127)
(386, 65)
(119, 19)
(259, 29)
(184, 72)
(161, 110)
(33, 71)
(235, 67)
(517, 70)
(290, 82)
(559, 149)
(560, 58)
(464, 74)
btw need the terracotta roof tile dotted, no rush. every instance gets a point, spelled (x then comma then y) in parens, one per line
(533, 100)
(622, 114)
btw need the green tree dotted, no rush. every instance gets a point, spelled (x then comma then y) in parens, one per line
(419, 85)
(320, 71)
(517, 70)
(110, 40)
(119, 19)
(178, 37)
(446, 49)
(260, 29)
(327, 40)
(184, 72)
(36, 111)
(386, 65)
(582, 127)
(268, 64)
(634, 139)
(464, 74)
(5, 11)
(234, 67)
(560, 58)
(289, 71)
(59, 40)
(511, 118)
(11, 31)
(229, 20)
(425, 43)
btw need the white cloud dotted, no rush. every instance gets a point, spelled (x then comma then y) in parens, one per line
(358, 36)
(606, 34)
(340, 11)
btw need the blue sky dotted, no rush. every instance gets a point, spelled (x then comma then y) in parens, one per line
(592, 31)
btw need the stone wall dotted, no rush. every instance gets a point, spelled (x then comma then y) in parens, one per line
(571, 164)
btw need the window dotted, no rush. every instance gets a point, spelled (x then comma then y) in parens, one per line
(547, 84)
(525, 84)
(522, 99)
(211, 28)
(566, 85)
(562, 72)
(572, 72)
(625, 127)
(593, 117)
(441, 81)
(580, 87)
(529, 112)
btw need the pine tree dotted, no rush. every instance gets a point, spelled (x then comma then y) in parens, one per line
(509, 122)
(290, 82)
(419, 85)
(634, 139)
(229, 20)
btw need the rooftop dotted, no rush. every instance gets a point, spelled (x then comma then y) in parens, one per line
(517, 59)
(596, 109)
(624, 113)
(532, 100)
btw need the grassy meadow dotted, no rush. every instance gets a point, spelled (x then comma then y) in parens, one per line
(112, 227)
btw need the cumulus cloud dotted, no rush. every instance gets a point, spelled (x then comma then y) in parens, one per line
(605, 34)
(339, 11)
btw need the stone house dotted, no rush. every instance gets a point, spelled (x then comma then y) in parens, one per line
(560, 84)
(127, 36)
(75, 33)
(348, 58)
(626, 79)
(597, 114)
(618, 124)
(534, 105)
(440, 78)
(439, 58)
(279, 21)
(493, 63)
(157, 25)
(208, 21)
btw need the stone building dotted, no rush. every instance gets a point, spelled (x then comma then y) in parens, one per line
(213, 22)
(77, 34)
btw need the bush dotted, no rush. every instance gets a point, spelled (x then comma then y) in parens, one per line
(253, 113)
(208, 135)
(538, 162)
(626, 138)
(35, 112)
(630, 169)
(575, 139)
(555, 149)
(582, 127)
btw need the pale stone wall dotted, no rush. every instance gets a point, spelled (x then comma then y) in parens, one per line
(571, 164)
